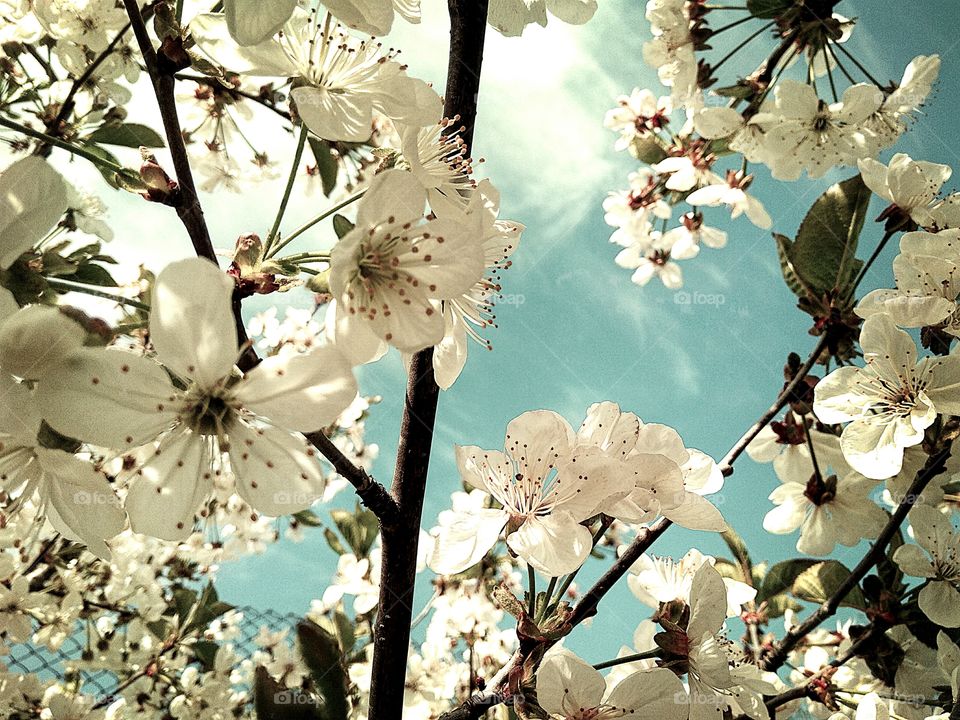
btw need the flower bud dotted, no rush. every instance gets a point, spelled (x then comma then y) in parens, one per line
(35, 338)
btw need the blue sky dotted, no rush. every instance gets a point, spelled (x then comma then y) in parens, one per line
(583, 333)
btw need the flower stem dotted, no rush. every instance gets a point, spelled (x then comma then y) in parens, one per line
(648, 655)
(856, 62)
(70, 286)
(873, 256)
(532, 592)
(740, 46)
(310, 223)
(546, 600)
(605, 523)
(294, 170)
(62, 144)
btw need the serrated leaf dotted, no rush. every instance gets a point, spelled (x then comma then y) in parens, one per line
(824, 253)
(779, 604)
(781, 576)
(341, 226)
(768, 9)
(321, 653)
(346, 633)
(326, 164)
(127, 135)
(647, 150)
(334, 542)
(359, 528)
(790, 276)
(819, 582)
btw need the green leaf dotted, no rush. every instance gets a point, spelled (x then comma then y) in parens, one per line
(326, 164)
(205, 651)
(341, 226)
(781, 577)
(308, 518)
(109, 175)
(321, 653)
(779, 604)
(127, 135)
(741, 92)
(334, 542)
(94, 275)
(648, 150)
(768, 9)
(346, 633)
(824, 253)
(359, 528)
(819, 582)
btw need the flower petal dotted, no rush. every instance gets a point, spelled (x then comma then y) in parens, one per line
(276, 471)
(191, 321)
(33, 197)
(554, 544)
(170, 487)
(253, 21)
(111, 398)
(300, 392)
(463, 539)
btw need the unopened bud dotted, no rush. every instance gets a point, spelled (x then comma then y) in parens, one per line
(159, 185)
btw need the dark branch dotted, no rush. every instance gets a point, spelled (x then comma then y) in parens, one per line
(186, 202)
(468, 22)
(373, 494)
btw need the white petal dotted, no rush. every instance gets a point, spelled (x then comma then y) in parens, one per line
(697, 513)
(276, 471)
(345, 116)
(36, 338)
(393, 193)
(837, 397)
(111, 398)
(940, 602)
(80, 502)
(913, 561)
(554, 544)
(191, 321)
(537, 441)
(8, 305)
(575, 12)
(565, 681)
(300, 392)
(33, 198)
(373, 17)
(464, 539)
(266, 59)
(708, 597)
(253, 21)
(650, 695)
(171, 487)
(19, 414)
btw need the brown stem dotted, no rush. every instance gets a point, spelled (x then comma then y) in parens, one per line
(186, 202)
(468, 22)
(373, 494)
(776, 655)
(726, 465)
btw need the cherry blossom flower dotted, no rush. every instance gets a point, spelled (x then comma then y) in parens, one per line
(910, 185)
(732, 192)
(655, 258)
(387, 273)
(719, 677)
(828, 502)
(570, 689)
(33, 198)
(936, 557)
(806, 133)
(889, 402)
(346, 80)
(927, 276)
(655, 580)
(467, 315)
(36, 337)
(632, 211)
(76, 498)
(205, 418)
(545, 484)
(437, 158)
(636, 115)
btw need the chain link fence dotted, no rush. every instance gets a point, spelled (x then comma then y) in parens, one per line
(27, 658)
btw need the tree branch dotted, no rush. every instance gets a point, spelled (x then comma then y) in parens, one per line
(186, 202)
(371, 493)
(468, 22)
(775, 656)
